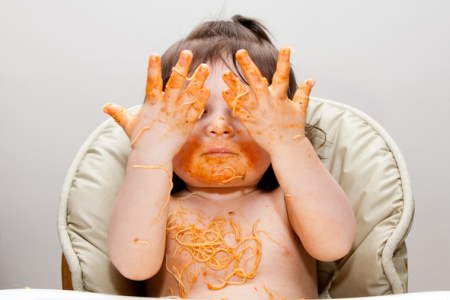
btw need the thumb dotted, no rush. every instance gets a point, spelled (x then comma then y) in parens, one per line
(118, 113)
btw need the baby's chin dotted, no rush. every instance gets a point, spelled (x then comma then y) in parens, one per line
(217, 170)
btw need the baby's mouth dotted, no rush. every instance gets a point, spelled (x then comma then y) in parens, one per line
(219, 154)
(219, 151)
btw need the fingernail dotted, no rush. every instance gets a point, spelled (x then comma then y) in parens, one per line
(186, 53)
(286, 50)
(154, 57)
(241, 53)
(105, 107)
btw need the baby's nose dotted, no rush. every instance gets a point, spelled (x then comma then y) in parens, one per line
(220, 127)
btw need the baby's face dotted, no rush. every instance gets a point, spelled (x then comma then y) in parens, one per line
(242, 161)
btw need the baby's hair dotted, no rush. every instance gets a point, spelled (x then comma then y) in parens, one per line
(218, 41)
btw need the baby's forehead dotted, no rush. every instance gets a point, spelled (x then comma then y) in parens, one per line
(217, 69)
(220, 67)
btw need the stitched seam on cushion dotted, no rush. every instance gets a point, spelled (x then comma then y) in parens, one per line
(404, 223)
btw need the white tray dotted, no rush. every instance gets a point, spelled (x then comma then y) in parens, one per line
(50, 294)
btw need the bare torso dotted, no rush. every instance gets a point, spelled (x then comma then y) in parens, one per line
(285, 269)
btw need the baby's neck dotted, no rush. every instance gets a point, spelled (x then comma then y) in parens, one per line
(221, 195)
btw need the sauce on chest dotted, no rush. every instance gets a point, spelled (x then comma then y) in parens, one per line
(263, 215)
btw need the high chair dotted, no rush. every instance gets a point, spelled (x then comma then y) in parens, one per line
(360, 155)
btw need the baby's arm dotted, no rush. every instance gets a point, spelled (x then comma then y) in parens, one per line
(136, 233)
(318, 208)
(137, 229)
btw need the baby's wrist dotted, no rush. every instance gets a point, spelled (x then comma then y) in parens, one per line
(148, 156)
(291, 149)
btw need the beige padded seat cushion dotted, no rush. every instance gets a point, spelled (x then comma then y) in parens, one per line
(361, 156)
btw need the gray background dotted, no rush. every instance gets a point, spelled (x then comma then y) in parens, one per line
(60, 61)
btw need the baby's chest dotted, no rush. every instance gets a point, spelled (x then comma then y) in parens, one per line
(230, 231)
(232, 247)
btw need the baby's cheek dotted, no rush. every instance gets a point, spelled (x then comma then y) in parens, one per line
(252, 152)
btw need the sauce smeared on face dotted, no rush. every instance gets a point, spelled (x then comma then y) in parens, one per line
(218, 169)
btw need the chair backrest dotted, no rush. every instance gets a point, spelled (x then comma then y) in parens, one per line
(360, 155)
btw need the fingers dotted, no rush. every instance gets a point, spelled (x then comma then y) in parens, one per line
(196, 110)
(179, 73)
(301, 96)
(197, 82)
(238, 109)
(240, 91)
(280, 80)
(251, 72)
(229, 96)
(118, 113)
(234, 83)
(153, 90)
(195, 94)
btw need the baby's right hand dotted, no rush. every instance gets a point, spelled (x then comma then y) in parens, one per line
(166, 118)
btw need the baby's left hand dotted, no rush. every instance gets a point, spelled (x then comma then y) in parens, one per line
(270, 116)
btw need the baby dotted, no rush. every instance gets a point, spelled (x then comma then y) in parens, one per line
(224, 196)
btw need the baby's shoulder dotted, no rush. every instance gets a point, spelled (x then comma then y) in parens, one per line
(274, 199)
(265, 204)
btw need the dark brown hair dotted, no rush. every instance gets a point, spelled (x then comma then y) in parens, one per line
(215, 41)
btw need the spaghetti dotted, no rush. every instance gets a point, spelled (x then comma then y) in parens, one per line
(138, 135)
(211, 254)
